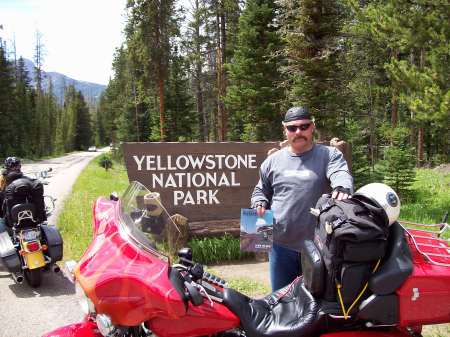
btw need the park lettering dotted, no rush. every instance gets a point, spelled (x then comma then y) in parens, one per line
(193, 177)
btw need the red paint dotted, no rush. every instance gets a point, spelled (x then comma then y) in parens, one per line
(84, 329)
(425, 296)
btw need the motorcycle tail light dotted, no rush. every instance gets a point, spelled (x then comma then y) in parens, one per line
(33, 246)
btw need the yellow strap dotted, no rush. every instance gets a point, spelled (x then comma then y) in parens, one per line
(339, 286)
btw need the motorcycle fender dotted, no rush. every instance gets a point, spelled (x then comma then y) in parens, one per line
(35, 259)
(84, 329)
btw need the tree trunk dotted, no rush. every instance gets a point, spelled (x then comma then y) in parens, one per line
(394, 99)
(372, 129)
(162, 117)
(420, 146)
(136, 111)
(198, 82)
(221, 76)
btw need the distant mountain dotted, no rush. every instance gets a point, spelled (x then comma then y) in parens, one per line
(90, 91)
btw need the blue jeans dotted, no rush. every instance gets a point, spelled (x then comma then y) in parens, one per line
(284, 265)
(2, 225)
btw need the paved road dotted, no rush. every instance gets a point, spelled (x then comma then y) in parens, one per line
(28, 312)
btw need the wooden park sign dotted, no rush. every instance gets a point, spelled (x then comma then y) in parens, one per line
(202, 181)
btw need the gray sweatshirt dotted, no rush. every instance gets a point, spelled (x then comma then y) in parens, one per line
(291, 184)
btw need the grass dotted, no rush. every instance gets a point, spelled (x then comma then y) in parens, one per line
(249, 287)
(215, 250)
(432, 198)
(75, 221)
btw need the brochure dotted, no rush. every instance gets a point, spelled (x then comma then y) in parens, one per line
(256, 232)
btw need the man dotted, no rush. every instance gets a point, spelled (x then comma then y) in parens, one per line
(291, 181)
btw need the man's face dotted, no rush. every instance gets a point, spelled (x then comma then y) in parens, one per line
(299, 134)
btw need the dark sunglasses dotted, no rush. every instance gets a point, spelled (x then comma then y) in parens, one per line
(294, 128)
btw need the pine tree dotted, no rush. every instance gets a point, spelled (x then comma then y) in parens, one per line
(398, 164)
(253, 97)
(195, 44)
(7, 131)
(416, 37)
(311, 30)
(83, 132)
(181, 117)
(151, 26)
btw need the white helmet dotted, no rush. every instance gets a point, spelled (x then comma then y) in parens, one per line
(385, 197)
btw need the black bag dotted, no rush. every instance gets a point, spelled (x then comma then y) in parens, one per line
(25, 190)
(37, 197)
(351, 235)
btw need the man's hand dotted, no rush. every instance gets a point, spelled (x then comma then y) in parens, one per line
(260, 207)
(340, 193)
(260, 210)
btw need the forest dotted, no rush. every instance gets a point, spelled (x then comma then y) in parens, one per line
(375, 73)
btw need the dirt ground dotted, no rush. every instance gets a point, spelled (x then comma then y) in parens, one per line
(254, 270)
(443, 168)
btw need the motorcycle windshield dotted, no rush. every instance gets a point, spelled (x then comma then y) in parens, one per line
(146, 222)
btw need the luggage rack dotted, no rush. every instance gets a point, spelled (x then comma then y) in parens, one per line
(428, 241)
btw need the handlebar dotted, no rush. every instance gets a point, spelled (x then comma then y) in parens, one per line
(198, 283)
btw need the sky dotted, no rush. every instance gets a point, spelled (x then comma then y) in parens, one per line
(79, 36)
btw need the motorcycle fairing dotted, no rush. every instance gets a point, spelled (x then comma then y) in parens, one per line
(289, 312)
(125, 282)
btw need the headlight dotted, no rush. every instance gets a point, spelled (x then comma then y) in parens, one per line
(105, 325)
(86, 304)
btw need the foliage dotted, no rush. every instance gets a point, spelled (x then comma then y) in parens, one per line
(253, 98)
(33, 124)
(432, 197)
(214, 250)
(105, 161)
(6, 105)
(311, 31)
(397, 166)
(363, 171)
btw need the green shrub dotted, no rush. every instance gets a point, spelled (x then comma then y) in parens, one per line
(105, 161)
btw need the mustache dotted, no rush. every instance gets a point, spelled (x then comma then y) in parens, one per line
(299, 137)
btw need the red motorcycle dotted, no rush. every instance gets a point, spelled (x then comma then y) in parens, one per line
(129, 286)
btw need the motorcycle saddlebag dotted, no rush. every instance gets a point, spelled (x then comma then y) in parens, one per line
(313, 269)
(54, 241)
(9, 257)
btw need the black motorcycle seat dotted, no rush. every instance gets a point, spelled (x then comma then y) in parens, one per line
(23, 215)
(288, 312)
